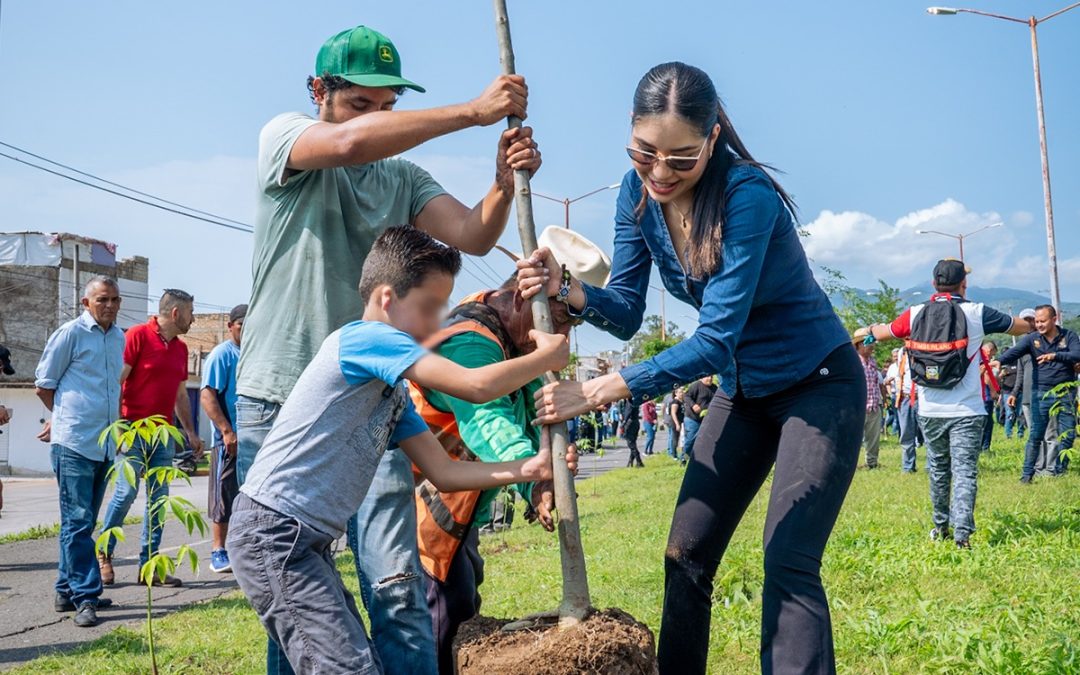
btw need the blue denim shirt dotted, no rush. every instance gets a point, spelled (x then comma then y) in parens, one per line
(82, 363)
(764, 323)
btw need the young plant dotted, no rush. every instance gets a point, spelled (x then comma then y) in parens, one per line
(144, 438)
(1066, 395)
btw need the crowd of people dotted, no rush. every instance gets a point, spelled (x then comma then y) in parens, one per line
(345, 404)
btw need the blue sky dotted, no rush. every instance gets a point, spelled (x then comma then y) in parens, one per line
(883, 118)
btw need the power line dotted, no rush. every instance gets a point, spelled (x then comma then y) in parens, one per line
(123, 187)
(246, 228)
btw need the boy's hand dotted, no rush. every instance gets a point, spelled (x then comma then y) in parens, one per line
(553, 349)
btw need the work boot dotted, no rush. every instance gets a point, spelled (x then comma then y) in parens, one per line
(108, 577)
(86, 616)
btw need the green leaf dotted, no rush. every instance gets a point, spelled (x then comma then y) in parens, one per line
(129, 472)
(102, 543)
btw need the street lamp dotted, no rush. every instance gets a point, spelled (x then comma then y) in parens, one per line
(663, 314)
(566, 202)
(960, 237)
(1032, 22)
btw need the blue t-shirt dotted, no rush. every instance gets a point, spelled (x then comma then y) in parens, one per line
(219, 373)
(371, 350)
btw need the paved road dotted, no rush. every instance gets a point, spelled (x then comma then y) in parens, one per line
(28, 625)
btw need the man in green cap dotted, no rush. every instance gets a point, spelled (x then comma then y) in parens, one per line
(327, 188)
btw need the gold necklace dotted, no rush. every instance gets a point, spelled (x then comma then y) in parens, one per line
(685, 224)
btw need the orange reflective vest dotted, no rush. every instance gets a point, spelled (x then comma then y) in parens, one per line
(443, 518)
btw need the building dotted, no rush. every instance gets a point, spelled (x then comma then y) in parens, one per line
(41, 282)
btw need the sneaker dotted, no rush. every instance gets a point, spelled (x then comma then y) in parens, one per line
(108, 577)
(62, 603)
(1025, 479)
(963, 544)
(188, 466)
(86, 616)
(219, 561)
(939, 534)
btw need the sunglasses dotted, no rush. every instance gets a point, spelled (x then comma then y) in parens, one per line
(675, 163)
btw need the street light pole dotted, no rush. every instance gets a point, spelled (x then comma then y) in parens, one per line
(567, 201)
(663, 314)
(959, 237)
(1032, 22)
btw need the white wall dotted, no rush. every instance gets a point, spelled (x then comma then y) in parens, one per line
(26, 455)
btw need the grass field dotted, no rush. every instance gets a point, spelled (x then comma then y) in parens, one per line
(901, 604)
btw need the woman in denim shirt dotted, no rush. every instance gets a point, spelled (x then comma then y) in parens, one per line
(792, 396)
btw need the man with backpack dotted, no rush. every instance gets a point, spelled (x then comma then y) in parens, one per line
(944, 338)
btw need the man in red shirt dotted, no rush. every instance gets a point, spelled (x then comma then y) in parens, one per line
(154, 383)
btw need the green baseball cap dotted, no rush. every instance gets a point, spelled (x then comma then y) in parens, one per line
(363, 56)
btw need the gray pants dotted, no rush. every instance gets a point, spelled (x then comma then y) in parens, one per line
(872, 436)
(287, 572)
(952, 452)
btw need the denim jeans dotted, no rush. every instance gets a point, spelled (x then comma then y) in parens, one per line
(650, 437)
(81, 483)
(692, 428)
(382, 537)
(952, 450)
(1041, 405)
(672, 442)
(908, 416)
(988, 428)
(1013, 421)
(286, 570)
(809, 433)
(125, 495)
(254, 418)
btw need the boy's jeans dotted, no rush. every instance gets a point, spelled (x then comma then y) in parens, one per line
(399, 637)
(382, 536)
(125, 495)
(286, 570)
(82, 483)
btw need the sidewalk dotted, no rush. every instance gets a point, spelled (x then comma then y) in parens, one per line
(28, 625)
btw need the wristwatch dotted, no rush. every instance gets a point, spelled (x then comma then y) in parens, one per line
(564, 287)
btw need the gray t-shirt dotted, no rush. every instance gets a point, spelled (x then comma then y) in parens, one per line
(349, 404)
(313, 230)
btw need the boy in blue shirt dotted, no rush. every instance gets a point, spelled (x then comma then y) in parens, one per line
(218, 400)
(349, 405)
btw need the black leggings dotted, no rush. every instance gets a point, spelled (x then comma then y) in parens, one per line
(811, 432)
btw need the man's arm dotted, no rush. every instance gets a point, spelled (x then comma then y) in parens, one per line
(476, 230)
(385, 133)
(183, 411)
(47, 397)
(208, 399)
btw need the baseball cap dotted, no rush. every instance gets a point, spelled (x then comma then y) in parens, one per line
(949, 272)
(363, 56)
(1027, 313)
(237, 313)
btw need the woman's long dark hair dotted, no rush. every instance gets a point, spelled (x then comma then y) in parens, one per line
(689, 93)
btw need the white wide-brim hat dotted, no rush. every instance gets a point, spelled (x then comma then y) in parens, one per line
(583, 259)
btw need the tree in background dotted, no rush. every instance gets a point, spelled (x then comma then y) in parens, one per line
(651, 340)
(859, 308)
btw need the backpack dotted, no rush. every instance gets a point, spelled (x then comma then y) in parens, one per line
(937, 349)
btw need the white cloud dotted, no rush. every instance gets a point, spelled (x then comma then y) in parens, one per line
(866, 248)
